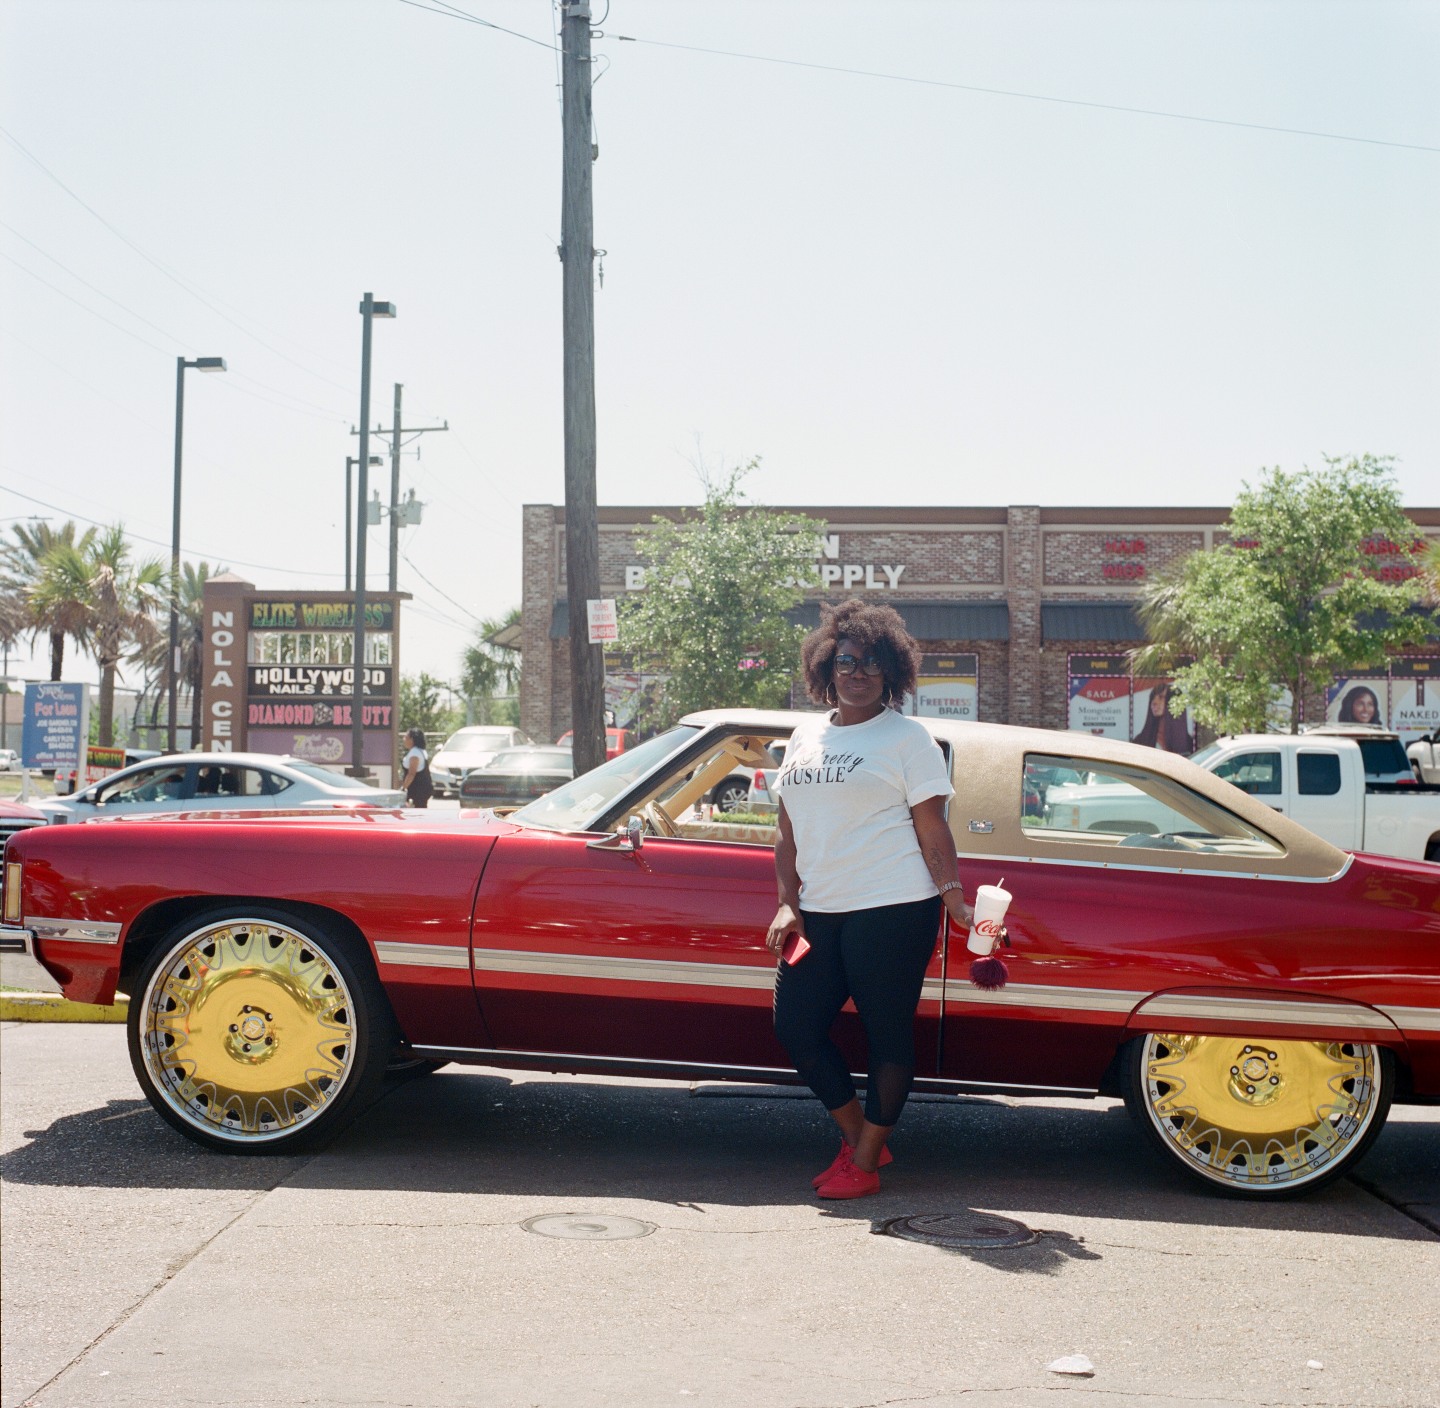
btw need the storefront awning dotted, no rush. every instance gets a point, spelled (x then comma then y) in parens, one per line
(1089, 620)
(926, 620)
(934, 620)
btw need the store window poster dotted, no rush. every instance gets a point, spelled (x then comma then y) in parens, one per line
(1153, 725)
(1100, 695)
(947, 687)
(1357, 699)
(1415, 697)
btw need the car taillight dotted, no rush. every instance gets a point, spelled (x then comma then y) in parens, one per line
(12, 891)
(760, 784)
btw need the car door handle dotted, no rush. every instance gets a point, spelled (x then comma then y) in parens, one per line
(1274, 808)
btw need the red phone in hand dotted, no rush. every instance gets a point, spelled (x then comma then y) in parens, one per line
(796, 947)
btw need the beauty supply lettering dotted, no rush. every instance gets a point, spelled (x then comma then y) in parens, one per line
(828, 573)
(317, 681)
(316, 715)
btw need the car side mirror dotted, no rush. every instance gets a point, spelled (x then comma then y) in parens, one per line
(631, 839)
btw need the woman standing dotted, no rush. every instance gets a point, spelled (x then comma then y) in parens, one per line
(418, 784)
(864, 863)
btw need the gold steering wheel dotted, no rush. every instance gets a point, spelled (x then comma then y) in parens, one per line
(659, 819)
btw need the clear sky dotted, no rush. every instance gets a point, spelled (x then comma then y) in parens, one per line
(893, 292)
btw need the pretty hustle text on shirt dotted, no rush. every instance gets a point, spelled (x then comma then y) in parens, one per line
(832, 767)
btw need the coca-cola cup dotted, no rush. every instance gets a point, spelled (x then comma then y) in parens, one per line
(991, 902)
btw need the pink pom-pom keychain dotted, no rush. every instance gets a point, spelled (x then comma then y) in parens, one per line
(988, 971)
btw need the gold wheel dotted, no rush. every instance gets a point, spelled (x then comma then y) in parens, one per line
(246, 1033)
(1258, 1115)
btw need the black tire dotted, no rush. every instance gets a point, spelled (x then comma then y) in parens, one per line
(254, 1031)
(731, 795)
(1258, 1117)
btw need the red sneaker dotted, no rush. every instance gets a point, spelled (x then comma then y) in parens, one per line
(846, 1153)
(850, 1182)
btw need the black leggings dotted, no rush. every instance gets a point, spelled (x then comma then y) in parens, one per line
(878, 957)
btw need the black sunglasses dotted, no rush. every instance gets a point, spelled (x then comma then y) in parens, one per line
(848, 664)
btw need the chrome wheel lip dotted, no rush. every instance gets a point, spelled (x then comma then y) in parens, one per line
(161, 1077)
(1278, 1178)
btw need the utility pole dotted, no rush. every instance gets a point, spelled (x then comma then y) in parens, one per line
(577, 252)
(395, 493)
(395, 432)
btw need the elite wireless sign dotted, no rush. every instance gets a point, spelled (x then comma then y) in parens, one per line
(57, 726)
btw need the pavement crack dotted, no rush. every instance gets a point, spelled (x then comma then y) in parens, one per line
(171, 1272)
(1404, 1209)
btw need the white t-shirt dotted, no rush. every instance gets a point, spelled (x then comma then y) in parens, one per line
(848, 791)
(417, 756)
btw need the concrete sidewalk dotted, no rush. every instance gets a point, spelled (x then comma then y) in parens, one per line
(396, 1268)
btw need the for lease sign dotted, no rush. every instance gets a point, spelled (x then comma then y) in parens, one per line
(57, 725)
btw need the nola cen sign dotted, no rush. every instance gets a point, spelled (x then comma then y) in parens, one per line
(279, 674)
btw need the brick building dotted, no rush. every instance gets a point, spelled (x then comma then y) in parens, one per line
(1024, 590)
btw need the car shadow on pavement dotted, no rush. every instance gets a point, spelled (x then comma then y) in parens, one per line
(568, 1144)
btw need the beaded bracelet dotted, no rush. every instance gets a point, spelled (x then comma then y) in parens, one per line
(952, 885)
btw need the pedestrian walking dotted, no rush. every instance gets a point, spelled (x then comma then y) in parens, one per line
(864, 864)
(418, 784)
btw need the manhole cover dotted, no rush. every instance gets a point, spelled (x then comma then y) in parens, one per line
(975, 1230)
(588, 1226)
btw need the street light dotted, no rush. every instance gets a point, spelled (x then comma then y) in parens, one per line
(201, 364)
(369, 311)
(349, 502)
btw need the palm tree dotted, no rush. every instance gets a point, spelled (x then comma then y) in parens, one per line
(21, 568)
(60, 599)
(489, 672)
(154, 655)
(126, 599)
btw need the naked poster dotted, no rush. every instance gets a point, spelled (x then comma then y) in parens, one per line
(1357, 699)
(1415, 697)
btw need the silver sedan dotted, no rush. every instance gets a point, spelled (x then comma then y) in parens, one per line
(204, 782)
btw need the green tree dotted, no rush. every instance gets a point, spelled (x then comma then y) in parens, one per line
(712, 613)
(127, 598)
(490, 673)
(1289, 601)
(421, 705)
(58, 615)
(155, 654)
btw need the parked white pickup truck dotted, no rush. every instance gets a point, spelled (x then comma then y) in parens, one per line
(1424, 757)
(1315, 779)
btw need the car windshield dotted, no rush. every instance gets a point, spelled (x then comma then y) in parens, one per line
(577, 804)
(330, 779)
(530, 757)
(486, 742)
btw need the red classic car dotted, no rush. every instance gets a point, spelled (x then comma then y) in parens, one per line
(1258, 996)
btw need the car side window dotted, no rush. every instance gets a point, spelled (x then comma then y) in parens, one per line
(1255, 773)
(271, 783)
(1317, 774)
(149, 785)
(1116, 804)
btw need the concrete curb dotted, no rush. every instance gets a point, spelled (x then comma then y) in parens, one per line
(52, 1007)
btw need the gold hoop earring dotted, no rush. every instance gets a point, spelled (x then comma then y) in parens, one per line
(830, 696)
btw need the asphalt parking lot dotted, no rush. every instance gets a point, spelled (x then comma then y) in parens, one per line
(395, 1267)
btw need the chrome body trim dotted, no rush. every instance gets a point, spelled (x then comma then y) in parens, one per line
(1161, 869)
(423, 955)
(74, 931)
(682, 1070)
(1267, 1011)
(14, 939)
(1413, 1019)
(636, 970)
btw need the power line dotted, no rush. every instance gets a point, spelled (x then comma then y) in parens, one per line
(60, 366)
(434, 588)
(1028, 97)
(169, 274)
(453, 12)
(156, 542)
